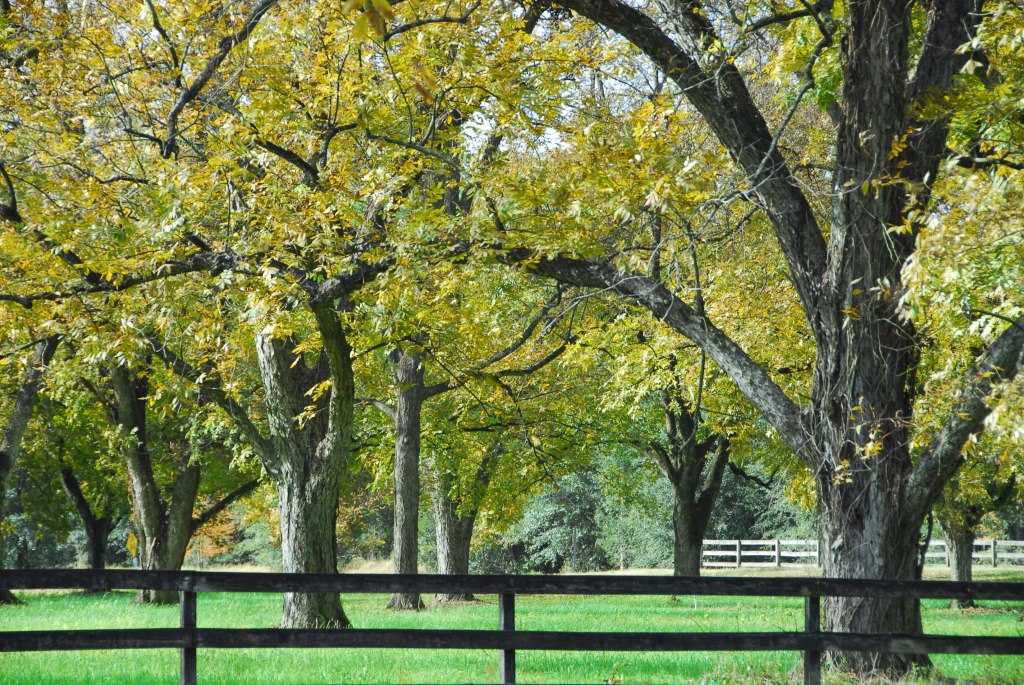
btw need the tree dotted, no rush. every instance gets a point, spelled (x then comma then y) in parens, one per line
(459, 329)
(66, 448)
(163, 516)
(845, 261)
(13, 432)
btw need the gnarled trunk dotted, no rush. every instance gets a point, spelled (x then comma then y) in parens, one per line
(306, 460)
(408, 376)
(309, 512)
(865, 535)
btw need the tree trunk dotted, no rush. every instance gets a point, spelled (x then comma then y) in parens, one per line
(97, 528)
(306, 460)
(865, 535)
(10, 444)
(695, 479)
(163, 528)
(960, 547)
(454, 534)
(96, 543)
(688, 536)
(408, 375)
(309, 513)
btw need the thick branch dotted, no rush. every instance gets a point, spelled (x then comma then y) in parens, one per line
(213, 390)
(24, 404)
(9, 210)
(379, 404)
(224, 503)
(951, 24)
(213, 263)
(752, 380)
(664, 461)
(712, 482)
(725, 103)
(1000, 363)
(74, 490)
(170, 146)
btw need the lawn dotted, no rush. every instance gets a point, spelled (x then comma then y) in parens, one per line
(77, 611)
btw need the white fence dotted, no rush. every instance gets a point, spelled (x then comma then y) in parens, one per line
(737, 553)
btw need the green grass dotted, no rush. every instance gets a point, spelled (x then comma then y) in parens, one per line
(49, 611)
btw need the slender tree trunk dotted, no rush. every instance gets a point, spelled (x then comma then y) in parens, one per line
(96, 536)
(454, 534)
(97, 528)
(14, 431)
(408, 375)
(960, 546)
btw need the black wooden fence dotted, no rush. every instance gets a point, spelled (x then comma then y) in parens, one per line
(812, 641)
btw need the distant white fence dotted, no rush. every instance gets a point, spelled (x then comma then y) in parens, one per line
(737, 553)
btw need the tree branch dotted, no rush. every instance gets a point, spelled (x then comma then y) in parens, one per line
(725, 103)
(24, 404)
(212, 389)
(379, 404)
(752, 380)
(169, 145)
(1000, 363)
(749, 477)
(74, 491)
(212, 262)
(445, 19)
(224, 503)
(9, 211)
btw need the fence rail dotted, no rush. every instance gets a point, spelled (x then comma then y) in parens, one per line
(812, 641)
(754, 553)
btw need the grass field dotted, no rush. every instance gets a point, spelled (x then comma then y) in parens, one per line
(51, 611)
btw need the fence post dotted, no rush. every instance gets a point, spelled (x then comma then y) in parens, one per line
(188, 625)
(995, 554)
(739, 553)
(778, 553)
(507, 621)
(812, 626)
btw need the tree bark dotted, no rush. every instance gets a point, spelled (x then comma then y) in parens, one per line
(309, 512)
(407, 370)
(307, 460)
(305, 453)
(14, 431)
(688, 537)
